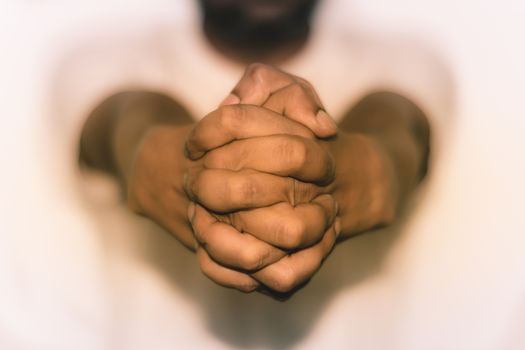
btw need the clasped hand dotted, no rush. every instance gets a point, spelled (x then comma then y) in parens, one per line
(262, 210)
(268, 181)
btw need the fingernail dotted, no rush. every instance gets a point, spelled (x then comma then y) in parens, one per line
(337, 227)
(326, 122)
(191, 211)
(231, 99)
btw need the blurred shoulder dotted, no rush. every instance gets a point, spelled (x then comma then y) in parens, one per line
(403, 64)
(113, 48)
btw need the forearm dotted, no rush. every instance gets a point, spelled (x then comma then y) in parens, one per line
(155, 187)
(402, 130)
(113, 132)
(139, 139)
(381, 155)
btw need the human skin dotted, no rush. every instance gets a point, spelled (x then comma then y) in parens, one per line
(352, 168)
(257, 30)
(272, 125)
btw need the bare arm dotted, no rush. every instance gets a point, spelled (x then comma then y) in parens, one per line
(400, 126)
(382, 154)
(138, 137)
(113, 131)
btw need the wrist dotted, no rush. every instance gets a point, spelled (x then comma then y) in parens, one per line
(129, 135)
(114, 129)
(366, 185)
(158, 158)
(155, 182)
(400, 128)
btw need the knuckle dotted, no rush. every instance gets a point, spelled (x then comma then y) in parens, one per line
(293, 152)
(231, 117)
(205, 236)
(252, 258)
(298, 91)
(306, 84)
(258, 71)
(244, 284)
(247, 286)
(290, 233)
(285, 280)
(305, 192)
(242, 191)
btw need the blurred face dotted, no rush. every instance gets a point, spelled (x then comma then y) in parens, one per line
(257, 11)
(245, 23)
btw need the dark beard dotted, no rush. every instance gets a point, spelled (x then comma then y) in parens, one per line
(238, 27)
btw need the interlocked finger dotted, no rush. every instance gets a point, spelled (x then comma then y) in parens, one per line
(230, 247)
